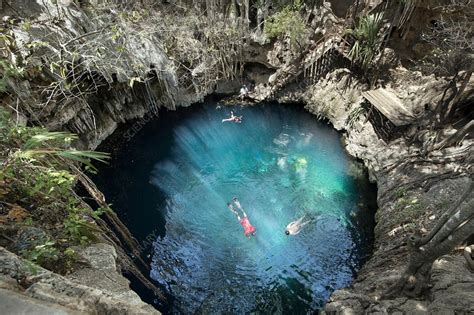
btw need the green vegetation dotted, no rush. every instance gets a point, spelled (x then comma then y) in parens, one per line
(43, 254)
(354, 115)
(367, 41)
(7, 71)
(78, 228)
(401, 192)
(36, 183)
(287, 22)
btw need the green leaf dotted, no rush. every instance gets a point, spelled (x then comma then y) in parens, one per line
(39, 139)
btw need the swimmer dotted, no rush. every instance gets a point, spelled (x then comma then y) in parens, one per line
(295, 227)
(237, 119)
(249, 229)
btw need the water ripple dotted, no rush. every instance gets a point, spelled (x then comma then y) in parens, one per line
(282, 165)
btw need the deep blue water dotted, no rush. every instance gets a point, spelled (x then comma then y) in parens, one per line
(173, 177)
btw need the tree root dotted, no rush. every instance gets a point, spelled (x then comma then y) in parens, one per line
(453, 228)
(120, 237)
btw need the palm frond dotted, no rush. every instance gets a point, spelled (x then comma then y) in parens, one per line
(41, 138)
(367, 39)
(83, 156)
(56, 143)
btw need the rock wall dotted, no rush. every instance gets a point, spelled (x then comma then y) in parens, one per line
(97, 289)
(40, 33)
(413, 191)
(129, 73)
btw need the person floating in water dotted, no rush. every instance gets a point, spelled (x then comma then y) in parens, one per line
(295, 227)
(249, 229)
(237, 119)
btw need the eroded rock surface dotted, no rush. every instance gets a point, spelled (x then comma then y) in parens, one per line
(414, 189)
(98, 289)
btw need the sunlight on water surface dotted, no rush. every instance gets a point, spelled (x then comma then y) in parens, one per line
(282, 164)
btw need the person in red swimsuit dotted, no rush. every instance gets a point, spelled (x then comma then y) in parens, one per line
(249, 229)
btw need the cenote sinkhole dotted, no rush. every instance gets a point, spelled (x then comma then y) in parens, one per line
(172, 178)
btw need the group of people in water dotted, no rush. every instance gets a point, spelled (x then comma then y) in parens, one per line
(292, 228)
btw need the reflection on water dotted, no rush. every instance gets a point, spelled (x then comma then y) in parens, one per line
(281, 164)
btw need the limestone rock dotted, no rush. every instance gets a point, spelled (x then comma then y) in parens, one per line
(55, 294)
(17, 303)
(403, 208)
(102, 272)
(453, 288)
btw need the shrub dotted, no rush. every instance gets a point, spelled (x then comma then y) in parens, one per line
(367, 40)
(79, 229)
(287, 22)
(7, 71)
(38, 176)
(42, 254)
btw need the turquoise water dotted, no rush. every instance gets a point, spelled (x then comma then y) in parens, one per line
(176, 175)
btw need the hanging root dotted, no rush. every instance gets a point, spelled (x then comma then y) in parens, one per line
(120, 237)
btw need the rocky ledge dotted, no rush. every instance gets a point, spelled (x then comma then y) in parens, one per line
(98, 288)
(414, 189)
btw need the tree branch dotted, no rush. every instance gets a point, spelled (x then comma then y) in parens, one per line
(445, 217)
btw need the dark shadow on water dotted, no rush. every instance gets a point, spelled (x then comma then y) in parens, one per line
(139, 214)
(119, 183)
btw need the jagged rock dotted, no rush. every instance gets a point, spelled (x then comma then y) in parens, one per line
(344, 302)
(387, 59)
(102, 272)
(17, 303)
(51, 292)
(453, 288)
(96, 116)
(402, 208)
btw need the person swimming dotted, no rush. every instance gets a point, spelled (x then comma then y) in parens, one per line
(236, 119)
(295, 227)
(249, 229)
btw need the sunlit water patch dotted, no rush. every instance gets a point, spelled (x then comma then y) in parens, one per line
(177, 175)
